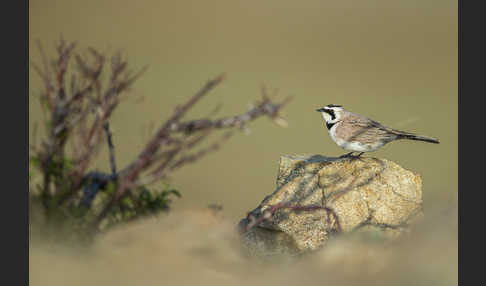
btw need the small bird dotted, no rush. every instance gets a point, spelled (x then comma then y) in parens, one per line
(356, 133)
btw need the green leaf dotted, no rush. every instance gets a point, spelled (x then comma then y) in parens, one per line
(68, 164)
(173, 192)
(110, 188)
(35, 161)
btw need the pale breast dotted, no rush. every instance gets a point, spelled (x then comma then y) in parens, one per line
(355, 146)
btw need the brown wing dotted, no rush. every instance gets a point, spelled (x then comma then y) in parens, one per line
(364, 130)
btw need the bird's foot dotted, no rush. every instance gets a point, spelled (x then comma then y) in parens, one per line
(351, 156)
(347, 155)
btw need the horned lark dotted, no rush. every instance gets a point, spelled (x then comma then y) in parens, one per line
(356, 133)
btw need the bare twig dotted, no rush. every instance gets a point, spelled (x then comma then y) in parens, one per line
(146, 156)
(270, 212)
(80, 110)
(196, 156)
(264, 108)
(111, 149)
(145, 159)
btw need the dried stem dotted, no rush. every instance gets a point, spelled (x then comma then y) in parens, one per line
(145, 159)
(80, 105)
(270, 212)
(111, 149)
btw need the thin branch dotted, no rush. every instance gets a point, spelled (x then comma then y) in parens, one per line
(270, 212)
(196, 156)
(111, 149)
(215, 110)
(158, 173)
(47, 82)
(84, 108)
(265, 108)
(145, 158)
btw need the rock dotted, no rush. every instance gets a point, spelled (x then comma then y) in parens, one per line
(319, 196)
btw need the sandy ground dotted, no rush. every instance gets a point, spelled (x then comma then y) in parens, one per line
(394, 61)
(200, 247)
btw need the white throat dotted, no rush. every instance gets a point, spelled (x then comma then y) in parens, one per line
(328, 118)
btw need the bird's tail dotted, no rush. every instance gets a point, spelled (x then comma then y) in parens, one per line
(410, 136)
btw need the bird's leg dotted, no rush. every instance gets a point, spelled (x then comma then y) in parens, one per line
(347, 155)
(357, 157)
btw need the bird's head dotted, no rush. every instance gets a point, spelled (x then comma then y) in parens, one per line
(331, 113)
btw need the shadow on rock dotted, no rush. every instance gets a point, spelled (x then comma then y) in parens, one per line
(317, 197)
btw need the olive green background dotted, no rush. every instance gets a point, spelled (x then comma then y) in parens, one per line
(393, 61)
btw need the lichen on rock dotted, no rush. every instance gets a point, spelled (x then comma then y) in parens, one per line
(348, 195)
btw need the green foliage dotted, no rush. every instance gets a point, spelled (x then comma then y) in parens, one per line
(153, 203)
(35, 161)
(145, 203)
(75, 220)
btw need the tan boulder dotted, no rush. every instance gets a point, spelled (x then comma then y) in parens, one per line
(318, 196)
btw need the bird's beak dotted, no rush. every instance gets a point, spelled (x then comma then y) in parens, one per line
(320, 110)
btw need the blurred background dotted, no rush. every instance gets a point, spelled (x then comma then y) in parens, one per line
(393, 61)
